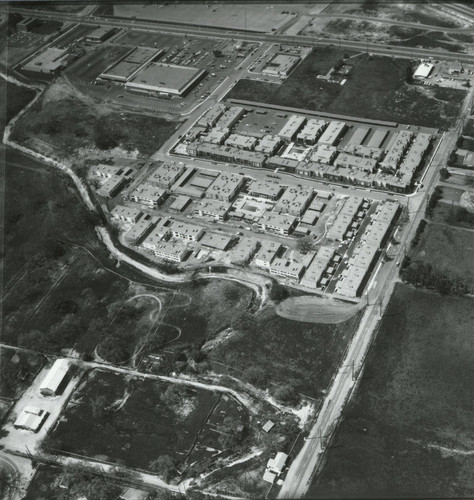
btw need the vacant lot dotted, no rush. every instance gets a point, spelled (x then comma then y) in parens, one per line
(135, 420)
(384, 95)
(61, 122)
(405, 433)
(303, 355)
(448, 249)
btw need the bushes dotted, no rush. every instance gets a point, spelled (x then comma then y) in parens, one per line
(433, 201)
(419, 232)
(426, 276)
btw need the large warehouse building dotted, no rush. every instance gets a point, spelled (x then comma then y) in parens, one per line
(159, 78)
(129, 66)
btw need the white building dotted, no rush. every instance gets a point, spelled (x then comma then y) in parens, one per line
(52, 383)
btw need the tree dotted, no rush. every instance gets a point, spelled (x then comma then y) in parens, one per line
(164, 466)
(305, 244)
(444, 174)
(287, 394)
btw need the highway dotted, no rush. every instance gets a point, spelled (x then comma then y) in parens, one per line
(155, 26)
(380, 289)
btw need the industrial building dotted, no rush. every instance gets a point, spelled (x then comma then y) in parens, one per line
(160, 78)
(281, 65)
(54, 382)
(49, 61)
(130, 65)
(100, 34)
(27, 24)
(423, 71)
(31, 419)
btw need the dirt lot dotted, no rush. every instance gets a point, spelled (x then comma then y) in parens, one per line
(383, 96)
(407, 431)
(64, 121)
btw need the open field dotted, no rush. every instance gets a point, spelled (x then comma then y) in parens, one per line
(383, 96)
(136, 421)
(406, 432)
(62, 122)
(448, 248)
(303, 355)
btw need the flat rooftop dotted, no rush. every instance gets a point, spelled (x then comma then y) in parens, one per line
(165, 78)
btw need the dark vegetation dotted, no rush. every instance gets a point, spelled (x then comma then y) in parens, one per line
(145, 424)
(69, 124)
(17, 371)
(14, 99)
(415, 396)
(271, 352)
(384, 96)
(76, 482)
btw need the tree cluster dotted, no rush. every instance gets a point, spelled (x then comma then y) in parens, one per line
(433, 201)
(425, 275)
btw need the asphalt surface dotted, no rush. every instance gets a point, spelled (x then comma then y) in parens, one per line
(375, 48)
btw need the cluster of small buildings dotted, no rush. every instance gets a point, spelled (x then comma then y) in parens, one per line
(32, 418)
(311, 147)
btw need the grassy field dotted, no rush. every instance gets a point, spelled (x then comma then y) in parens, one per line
(134, 423)
(303, 355)
(447, 213)
(63, 123)
(450, 249)
(404, 433)
(383, 96)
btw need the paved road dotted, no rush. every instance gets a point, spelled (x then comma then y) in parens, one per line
(375, 48)
(379, 291)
